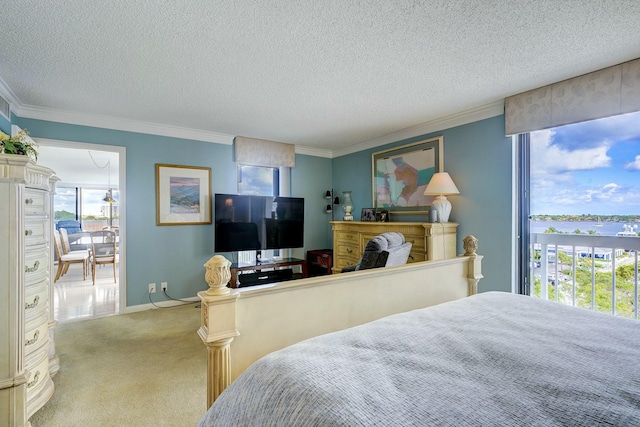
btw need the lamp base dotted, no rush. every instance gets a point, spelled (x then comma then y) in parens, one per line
(443, 206)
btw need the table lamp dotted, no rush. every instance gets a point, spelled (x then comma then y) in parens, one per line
(440, 185)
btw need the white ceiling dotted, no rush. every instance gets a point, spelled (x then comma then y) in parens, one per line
(80, 167)
(330, 75)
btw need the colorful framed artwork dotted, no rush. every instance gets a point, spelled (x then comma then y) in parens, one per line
(183, 195)
(401, 174)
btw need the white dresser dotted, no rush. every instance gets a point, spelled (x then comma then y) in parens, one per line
(27, 349)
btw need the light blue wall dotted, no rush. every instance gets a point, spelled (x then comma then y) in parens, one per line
(478, 158)
(5, 125)
(312, 178)
(176, 254)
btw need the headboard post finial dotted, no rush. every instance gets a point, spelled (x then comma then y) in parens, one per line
(217, 275)
(470, 244)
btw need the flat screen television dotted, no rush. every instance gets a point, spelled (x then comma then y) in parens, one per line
(244, 223)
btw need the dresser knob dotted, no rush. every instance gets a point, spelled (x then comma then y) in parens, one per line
(28, 201)
(28, 232)
(33, 340)
(35, 303)
(35, 380)
(32, 269)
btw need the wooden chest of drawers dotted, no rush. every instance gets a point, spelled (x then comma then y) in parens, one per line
(429, 241)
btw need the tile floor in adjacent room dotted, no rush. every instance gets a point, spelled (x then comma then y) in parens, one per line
(77, 299)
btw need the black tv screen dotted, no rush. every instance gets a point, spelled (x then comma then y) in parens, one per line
(244, 223)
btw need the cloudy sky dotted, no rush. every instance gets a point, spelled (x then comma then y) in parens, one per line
(587, 168)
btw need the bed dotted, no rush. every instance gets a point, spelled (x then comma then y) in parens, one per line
(488, 359)
(239, 326)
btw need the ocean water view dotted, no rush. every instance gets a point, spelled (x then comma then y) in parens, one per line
(605, 228)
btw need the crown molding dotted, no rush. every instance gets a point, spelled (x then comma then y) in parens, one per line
(311, 151)
(7, 93)
(482, 112)
(107, 122)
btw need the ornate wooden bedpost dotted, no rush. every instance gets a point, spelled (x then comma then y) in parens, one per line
(218, 305)
(470, 244)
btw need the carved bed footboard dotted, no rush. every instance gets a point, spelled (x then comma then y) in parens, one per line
(241, 325)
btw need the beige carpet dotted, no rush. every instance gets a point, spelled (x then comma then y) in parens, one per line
(140, 369)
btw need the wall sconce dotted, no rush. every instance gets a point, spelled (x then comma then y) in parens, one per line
(336, 201)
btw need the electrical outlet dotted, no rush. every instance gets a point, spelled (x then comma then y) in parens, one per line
(152, 288)
(164, 286)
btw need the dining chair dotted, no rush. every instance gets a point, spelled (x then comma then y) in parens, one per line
(104, 251)
(66, 245)
(66, 259)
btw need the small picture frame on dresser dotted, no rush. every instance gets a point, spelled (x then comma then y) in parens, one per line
(382, 215)
(368, 215)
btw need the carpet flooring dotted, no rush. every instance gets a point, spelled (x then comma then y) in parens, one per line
(140, 369)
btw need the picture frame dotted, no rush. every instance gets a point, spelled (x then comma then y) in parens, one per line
(382, 215)
(401, 174)
(368, 215)
(183, 195)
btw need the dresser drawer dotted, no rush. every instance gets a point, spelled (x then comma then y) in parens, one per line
(417, 243)
(35, 232)
(348, 237)
(36, 333)
(350, 252)
(38, 366)
(342, 262)
(416, 256)
(35, 202)
(36, 266)
(35, 299)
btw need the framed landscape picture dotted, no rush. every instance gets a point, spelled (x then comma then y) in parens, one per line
(183, 195)
(401, 174)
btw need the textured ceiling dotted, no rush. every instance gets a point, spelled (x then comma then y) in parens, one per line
(324, 74)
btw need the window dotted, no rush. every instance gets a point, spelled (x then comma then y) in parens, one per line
(258, 180)
(87, 206)
(578, 184)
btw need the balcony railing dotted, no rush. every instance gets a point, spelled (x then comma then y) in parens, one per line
(589, 271)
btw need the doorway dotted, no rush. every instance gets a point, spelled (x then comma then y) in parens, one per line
(91, 190)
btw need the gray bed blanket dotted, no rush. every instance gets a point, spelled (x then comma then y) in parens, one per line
(493, 359)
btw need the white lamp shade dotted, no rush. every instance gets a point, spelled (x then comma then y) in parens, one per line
(441, 184)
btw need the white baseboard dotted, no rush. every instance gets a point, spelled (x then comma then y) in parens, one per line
(159, 304)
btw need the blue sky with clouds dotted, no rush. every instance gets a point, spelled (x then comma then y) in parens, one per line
(587, 168)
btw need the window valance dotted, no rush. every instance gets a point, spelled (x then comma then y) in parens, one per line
(260, 152)
(604, 93)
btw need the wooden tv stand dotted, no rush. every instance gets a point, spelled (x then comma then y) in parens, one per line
(265, 265)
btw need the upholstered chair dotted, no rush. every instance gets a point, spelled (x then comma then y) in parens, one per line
(384, 250)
